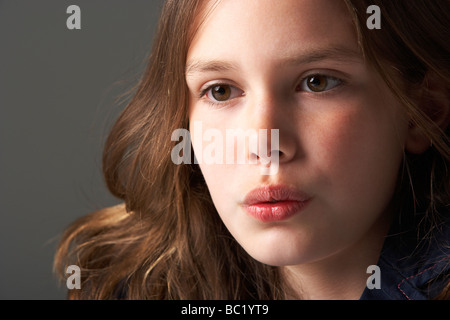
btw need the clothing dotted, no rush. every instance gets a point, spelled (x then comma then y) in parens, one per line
(413, 270)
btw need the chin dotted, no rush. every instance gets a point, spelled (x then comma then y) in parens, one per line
(281, 251)
(277, 260)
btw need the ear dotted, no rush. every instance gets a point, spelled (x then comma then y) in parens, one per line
(434, 100)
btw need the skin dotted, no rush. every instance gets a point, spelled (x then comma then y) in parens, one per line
(342, 146)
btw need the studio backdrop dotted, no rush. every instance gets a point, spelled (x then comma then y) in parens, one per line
(65, 67)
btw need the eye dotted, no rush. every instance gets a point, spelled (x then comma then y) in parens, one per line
(318, 83)
(222, 92)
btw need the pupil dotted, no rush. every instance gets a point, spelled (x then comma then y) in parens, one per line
(221, 93)
(220, 90)
(316, 83)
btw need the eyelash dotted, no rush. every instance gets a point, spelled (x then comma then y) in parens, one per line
(204, 92)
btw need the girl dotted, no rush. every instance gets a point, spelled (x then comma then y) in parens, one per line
(362, 180)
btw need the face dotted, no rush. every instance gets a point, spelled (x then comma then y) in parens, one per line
(294, 66)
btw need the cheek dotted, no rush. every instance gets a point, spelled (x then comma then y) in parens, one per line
(222, 183)
(359, 155)
(208, 139)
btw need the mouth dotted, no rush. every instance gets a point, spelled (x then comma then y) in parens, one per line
(274, 203)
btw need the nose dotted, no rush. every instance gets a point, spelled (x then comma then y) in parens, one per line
(272, 118)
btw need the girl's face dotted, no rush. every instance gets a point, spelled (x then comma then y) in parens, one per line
(295, 66)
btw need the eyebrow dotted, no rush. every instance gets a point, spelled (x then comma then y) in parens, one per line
(341, 54)
(201, 66)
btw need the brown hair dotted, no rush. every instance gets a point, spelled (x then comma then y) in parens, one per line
(167, 241)
(410, 48)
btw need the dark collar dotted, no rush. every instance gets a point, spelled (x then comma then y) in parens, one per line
(413, 269)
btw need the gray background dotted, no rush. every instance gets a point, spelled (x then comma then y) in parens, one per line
(58, 91)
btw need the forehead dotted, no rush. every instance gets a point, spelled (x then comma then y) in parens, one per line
(251, 30)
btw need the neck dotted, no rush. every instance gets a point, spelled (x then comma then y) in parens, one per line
(343, 274)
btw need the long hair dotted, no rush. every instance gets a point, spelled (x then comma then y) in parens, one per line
(167, 240)
(411, 45)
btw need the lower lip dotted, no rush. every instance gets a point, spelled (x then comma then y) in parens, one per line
(278, 211)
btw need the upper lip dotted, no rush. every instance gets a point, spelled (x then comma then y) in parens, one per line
(274, 193)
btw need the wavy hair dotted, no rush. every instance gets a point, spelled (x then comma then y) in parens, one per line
(166, 241)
